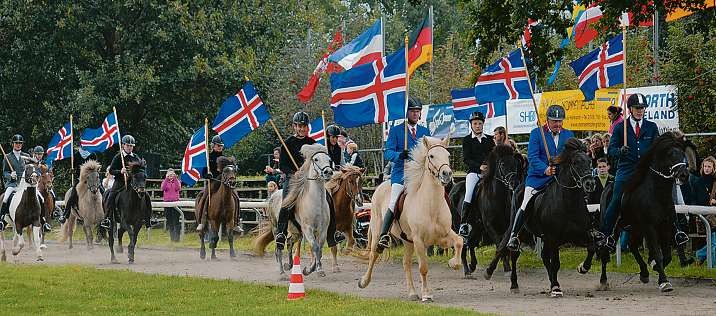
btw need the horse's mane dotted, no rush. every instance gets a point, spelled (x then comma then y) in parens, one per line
(501, 150)
(223, 161)
(660, 146)
(85, 169)
(571, 147)
(297, 186)
(335, 183)
(136, 166)
(414, 168)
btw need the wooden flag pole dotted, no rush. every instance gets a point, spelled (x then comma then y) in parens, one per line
(407, 91)
(323, 119)
(207, 184)
(6, 158)
(72, 153)
(534, 104)
(283, 143)
(624, 109)
(121, 154)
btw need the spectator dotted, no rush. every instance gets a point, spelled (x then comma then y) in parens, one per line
(271, 187)
(108, 180)
(702, 192)
(273, 173)
(343, 140)
(603, 179)
(615, 117)
(170, 187)
(355, 159)
(597, 149)
(606, 138)
(499, 135)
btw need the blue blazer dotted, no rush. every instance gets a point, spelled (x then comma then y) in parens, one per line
(648, 132)
(537, 156)
(394, 146)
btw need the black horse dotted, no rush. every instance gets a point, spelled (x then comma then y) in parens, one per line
(558, 215)
(132, 206)
(489, 216)
(648, 208)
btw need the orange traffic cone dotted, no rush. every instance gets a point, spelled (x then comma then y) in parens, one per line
(296, 290)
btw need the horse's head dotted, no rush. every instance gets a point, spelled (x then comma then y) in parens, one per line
(575, 167)
(138, 176)
(89, 175)
(353, 178)
(47, 178)
(31, 174)
(434, 156)
(320, 163)
(505, 165)
(669, 156)
(228, 170)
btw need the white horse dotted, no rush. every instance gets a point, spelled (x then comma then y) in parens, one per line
(308, 197)
(25, 210)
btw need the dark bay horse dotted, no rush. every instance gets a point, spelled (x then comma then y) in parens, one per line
(558, 215)
(132, 205)
(45, 186)
(223, 206)
(648, 208)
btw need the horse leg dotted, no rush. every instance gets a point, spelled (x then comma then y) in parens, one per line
(318, 243)
(634, 241)
(547, 261)
(423, 266)
(202, 249)
(473, 257)
(36, 230)
(214, 239)
(456, 241)
(506, 264)
(110, 240)
(465, 266)
(334, 255)
(514, 286)
(88, 235)
(652, 240)
(230, 238)
(18, 243)
(408, 269)
(373, 232)
(556, 264)
(585, 265)
(3, 255)
(133, 234)
(120, 234)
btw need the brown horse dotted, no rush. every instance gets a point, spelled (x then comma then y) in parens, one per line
(223, 206)
(44, 186)
(345, 189)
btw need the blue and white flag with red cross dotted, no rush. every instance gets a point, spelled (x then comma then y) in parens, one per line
(600, 68)
(60, 146)
(506, 79)
(100, 139)
(194, 161)
(240, 115)
(315, 131)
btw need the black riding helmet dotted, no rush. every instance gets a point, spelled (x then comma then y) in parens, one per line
(477, 115)
(555, 112)
(301, 118)
(38, 150)
(17, 138)
(637, 100)
(414, 104)
(216, 140)
(333, 130)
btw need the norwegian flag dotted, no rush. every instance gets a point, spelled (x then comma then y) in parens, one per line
(60, 146)
(600, 68)
(194, 161)
(315, 131)
(102, 138)
(463, 103)
(370, 93)
(240, 115)
(506, 79)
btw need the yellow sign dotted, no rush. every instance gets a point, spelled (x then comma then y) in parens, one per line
(581, 115)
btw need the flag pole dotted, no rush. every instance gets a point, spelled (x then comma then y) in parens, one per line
(623, 101)
(72, 153)
(407, 92)
(119, 135)
(207, 184)
(323, 119)
(283, 143)
(6, 158)
(534, 104)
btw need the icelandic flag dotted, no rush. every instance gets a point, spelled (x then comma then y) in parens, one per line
(371, 93)
(240, 114)
(364, 49)
(194, 161)
(463, 103)
(60, 146)
(100, 139)
(600, 68)
(506, 79)
(493, 109)
(315, 131)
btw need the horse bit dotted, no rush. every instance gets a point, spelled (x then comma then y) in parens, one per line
(672, 170)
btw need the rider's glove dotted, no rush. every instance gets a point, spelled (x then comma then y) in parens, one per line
(403, 155)
(624, 150)
(13, 175)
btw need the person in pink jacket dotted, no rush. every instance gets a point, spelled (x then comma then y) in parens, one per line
(615, 117)
(170, 187)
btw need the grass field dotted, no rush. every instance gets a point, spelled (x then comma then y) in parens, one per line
(40, 289)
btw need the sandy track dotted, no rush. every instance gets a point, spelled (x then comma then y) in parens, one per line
(627, 295)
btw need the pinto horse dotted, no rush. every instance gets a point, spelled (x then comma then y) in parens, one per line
(89, 203)
(425, 218)
(25, 211)
(222, 209)
(648, 208)
(132, 205)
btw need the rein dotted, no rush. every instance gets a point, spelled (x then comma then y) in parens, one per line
(505, 177)
(575, 177)
(672, 170)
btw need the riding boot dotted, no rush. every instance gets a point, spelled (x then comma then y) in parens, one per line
(465, 226)
(282, 227)
(4, 209)
(111, 206)
(333, 237)
(514, 242)
(384, 241)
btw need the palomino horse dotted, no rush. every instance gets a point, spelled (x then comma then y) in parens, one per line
(132, 205)
(648, 208)
(311, 213)
(222, 208)
(559, 215)
(345, 188)
(25, 211)
(89, 203)
(425, 219)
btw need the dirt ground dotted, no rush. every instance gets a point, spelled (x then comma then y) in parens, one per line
(626, 296)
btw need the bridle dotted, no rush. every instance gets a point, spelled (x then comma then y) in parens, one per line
(435, 170)
(320, 170)
(505, 177)
(225, 180)
(574, 174)
(672, 170)
(33, 177)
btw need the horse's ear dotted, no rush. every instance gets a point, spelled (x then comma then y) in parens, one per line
(446, 140)
(425, 141)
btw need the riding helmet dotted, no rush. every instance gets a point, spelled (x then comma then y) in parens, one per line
(17, 138)
(414, 104)
(216, 140)
(128, 140)
(555, 112)
(301, 118)
(333, 130)
(477, 115)
(637, 100)
(38, 150)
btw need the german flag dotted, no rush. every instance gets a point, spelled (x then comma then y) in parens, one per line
(421, 44)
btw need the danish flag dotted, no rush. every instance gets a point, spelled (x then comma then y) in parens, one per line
(102, 138)
(315, 131)
(506, 79)
(60, 146)
(600, 68)
(240, 115)
(194, 161)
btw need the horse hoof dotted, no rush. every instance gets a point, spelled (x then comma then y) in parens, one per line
(130, 261)
(644, 278)
(414, 297)
(114, 261)
(287, 266)
(202, 257)
(43, 246)
(603, 287)
(515, 290)
(362, 284)
(321, 273)
(556, 293)
(15, 251)
(283, 277)
(469, 276)
(666, 287)
(454, 264)
(427, 299)
(40, 259)
(306, 271)
(487, 275)
(581, 269)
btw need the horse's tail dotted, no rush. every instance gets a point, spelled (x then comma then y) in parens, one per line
(261, 241)
(68, 227)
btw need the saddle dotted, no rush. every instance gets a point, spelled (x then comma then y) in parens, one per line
(399, 211)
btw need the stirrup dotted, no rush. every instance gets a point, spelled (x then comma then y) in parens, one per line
(105, 223)
(383, 242)
(239, 229)
(513, 244)
(338, 237)
(681, 238)
(464, 230)
(47, 228)
(280, 239)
